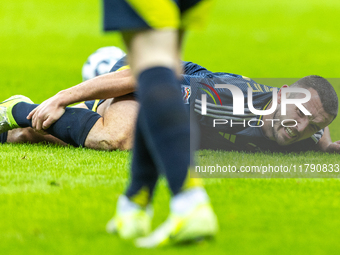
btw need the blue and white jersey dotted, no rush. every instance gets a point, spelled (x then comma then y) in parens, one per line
(197, 80)
(239, 136)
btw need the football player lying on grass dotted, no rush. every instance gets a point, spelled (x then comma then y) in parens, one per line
(108, 124)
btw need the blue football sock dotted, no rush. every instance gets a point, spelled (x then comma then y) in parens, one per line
(143, 176)
(164, 124)
(3, 137)
(72, 128)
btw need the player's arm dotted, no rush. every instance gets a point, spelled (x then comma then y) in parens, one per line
(325, 143)
(106, 86)
(101, 87)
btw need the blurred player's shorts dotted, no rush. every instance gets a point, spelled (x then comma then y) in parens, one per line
(125, 15)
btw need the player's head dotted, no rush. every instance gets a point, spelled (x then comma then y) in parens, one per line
(323, 106)
(324, 89)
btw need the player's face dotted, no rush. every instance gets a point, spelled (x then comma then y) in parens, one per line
(306, 126)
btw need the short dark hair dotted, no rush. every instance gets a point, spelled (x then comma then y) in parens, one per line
(325, 90)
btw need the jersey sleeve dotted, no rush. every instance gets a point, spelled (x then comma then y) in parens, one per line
(317, 136)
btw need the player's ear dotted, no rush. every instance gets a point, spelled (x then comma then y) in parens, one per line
(279, 93)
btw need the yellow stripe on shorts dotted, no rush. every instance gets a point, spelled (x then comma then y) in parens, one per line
(196, 16)
(123, 68)
(157, 14)
(95, 105)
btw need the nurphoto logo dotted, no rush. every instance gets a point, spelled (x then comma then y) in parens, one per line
(238, 104)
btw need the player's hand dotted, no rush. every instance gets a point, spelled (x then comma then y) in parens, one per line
(46, 113)
(333, 147)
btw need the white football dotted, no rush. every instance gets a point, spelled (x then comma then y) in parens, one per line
(101, 61)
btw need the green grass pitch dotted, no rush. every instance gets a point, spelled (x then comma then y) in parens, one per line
(57, 200)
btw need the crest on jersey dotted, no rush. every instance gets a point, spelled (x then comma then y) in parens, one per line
(186, 93)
